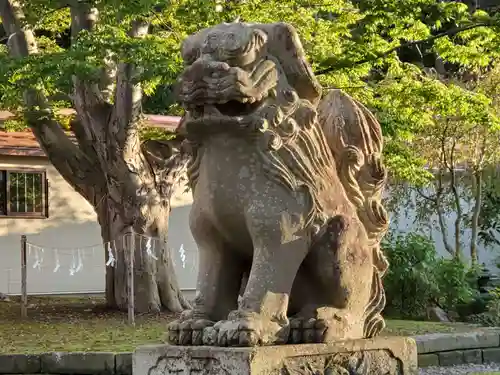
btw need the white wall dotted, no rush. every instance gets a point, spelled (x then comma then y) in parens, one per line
(404, 219)
(71, 225)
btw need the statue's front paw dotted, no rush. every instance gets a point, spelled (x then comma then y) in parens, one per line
(307, 330)
(251, 330)
(188, 329)
(324, 325)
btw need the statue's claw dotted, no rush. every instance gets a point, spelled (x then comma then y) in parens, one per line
(246, 331)
(307, 330)
(188, 330)
(322, 325)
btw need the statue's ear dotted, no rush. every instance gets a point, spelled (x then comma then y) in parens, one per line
(191, 46)
(284, 44)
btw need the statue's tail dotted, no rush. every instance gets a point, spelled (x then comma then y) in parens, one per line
(355, 139)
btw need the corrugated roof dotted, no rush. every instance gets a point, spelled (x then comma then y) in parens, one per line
(19, 144)
(25, 144)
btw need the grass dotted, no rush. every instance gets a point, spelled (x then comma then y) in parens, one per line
(84, 324)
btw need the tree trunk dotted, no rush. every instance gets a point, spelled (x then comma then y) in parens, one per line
(439, 210)
(478, 182)
(129, 186)
(457, 203)
(442, 227)
(103, 219)
(155, 282)
(458, 221)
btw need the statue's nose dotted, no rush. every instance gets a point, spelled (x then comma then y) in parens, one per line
(206, 67)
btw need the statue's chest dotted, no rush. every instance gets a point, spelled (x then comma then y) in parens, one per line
(231, 164)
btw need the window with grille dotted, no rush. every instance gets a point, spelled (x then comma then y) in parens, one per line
(23, 193)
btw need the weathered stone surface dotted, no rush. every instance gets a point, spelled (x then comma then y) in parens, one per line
(438, 342)
(123, 363)
(383, 355)
(451, 358)
(491, 355)
(78, 363)
(285, 178)
(474, 356)
(19, 363)
(426, 360)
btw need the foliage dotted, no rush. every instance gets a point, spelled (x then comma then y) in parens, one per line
(456, 282)
(494, 305)
(14, 124)
(489, 220)
(417, 278)
(17, 123)
(491, 317)
(152, 133)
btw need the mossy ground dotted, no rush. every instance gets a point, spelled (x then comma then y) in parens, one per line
(85, 324)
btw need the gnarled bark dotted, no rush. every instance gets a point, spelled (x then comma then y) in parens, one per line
(128, 183)
(155, 284)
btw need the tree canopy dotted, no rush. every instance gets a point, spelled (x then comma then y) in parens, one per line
(407, 60)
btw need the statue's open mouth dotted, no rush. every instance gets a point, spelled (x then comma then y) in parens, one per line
(237, 108)
(231, 108)
(212, 90)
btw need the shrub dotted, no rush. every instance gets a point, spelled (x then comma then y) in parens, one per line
(492, 315)
(456, 281)
(417, 277)
(410, 282)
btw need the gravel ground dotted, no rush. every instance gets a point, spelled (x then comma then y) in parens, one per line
(492, 369)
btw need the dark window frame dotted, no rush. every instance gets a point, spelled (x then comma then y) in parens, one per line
(7, 213)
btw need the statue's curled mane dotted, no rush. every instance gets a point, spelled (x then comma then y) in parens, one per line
(298, 157)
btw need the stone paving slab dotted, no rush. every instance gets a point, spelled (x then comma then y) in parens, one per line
(451, 358)
(123, 364)
(443, 349)
(427, 360)
(19, 363)
(491, 355)
(440, 342)
(78, 363)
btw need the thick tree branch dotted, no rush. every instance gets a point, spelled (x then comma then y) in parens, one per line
(168, 161)
(125, 159)
(93, 111)
(68, 159)
(376, 56)
(128, 97)
(426, 197)
(84, 17)
(107, 82)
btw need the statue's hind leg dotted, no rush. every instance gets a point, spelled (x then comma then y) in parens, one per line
(340, 270)
(220, 272)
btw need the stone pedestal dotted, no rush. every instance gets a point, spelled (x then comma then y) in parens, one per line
(379, 356)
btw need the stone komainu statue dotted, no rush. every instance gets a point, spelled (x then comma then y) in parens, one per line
(287, 187)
